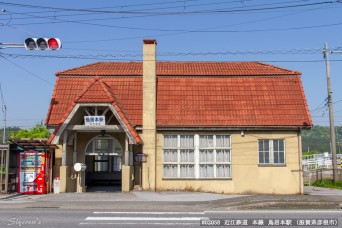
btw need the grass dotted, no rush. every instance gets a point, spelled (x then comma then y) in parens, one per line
(328, 183)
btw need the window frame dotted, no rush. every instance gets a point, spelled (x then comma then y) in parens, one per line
(271, 152)
(113, 151)
(178, 163)
(215, 163)
(196, 157)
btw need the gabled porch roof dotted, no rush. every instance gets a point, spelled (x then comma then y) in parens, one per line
(97, 91)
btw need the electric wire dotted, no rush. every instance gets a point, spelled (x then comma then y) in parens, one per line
(207, 30)
(27, 71)
(298, 51)
(227, 10)
(125, 17)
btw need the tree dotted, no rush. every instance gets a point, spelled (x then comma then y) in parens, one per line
(318, 139)
(38, 131)
(9, 132)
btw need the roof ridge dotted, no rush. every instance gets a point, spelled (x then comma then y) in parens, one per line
(74, 68)
(86, 88)
(106, 87)
(111, 97)
(179, 68)
(120, 110)
(277, 67)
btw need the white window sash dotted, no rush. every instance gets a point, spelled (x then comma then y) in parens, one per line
(271, 152)
(214, 167)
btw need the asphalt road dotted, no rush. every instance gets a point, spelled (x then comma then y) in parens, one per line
(317, 208)
(55, 217)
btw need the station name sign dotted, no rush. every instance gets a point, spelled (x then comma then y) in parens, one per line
(94, 120)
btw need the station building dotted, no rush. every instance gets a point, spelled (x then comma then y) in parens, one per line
(223, 127)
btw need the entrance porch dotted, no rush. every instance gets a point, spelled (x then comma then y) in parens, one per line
(106, 150)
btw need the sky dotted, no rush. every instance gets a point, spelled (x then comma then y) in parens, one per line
(286, 33)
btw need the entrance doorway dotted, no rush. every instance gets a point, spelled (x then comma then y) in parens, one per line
(103, 160)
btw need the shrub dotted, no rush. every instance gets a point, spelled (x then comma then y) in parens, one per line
(328, 183)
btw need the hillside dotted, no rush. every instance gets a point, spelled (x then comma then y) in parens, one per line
(318, 139)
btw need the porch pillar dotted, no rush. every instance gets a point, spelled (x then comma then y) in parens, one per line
(64, 156)
(74, 153)
(63, 170)
(126, 151)
(127, 168)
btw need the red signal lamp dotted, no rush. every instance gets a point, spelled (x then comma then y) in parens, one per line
(54, 43)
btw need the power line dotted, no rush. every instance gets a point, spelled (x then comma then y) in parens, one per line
(175, 32)
(171, 13)
(143, 9)
(298, 51)
(173, 7)
(206, 30)
(27, 71)
(114, 58)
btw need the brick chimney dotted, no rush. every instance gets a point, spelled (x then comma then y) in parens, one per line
(149, 114)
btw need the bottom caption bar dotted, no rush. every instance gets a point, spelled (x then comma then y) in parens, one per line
(269, 222)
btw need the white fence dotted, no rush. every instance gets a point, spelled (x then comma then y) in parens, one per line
(318, 161)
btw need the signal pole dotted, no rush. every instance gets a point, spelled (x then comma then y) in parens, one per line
(331, 112)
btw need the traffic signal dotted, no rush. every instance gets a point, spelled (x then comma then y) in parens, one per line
(43, 44)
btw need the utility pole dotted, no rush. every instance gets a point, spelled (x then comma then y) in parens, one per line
(4, 110)
(331, 112)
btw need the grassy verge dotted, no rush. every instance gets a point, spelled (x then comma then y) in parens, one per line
(328, 183)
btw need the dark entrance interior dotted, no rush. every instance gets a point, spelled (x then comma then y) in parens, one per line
(103, 160)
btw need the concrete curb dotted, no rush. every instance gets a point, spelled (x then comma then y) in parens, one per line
(287, 205)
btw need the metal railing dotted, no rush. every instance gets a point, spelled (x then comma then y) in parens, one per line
(311, 176)
(318, 161)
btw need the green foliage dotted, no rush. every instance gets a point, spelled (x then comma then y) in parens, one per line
(9, 132)
(328, 183)
(310, 153)
(318, 139)
(38, 131)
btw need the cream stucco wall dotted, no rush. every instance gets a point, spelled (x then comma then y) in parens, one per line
(247, 176)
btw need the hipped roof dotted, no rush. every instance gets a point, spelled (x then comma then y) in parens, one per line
(192, 94)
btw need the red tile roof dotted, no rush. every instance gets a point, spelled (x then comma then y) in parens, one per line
(178, 69)
(193, 94)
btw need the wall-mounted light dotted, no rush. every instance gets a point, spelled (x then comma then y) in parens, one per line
(242, 133)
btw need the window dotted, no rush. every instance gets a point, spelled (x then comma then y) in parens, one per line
(105, 154)
(196, 156)
(214, 156)
(271, 151)
(178, 156)
(101, 163)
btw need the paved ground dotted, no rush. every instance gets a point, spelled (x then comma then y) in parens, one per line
(312, 190)
(170, 196)
(314, 198)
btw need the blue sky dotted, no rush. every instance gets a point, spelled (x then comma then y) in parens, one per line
(285, 33)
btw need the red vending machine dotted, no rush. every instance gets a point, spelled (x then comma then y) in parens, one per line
(34, 172)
